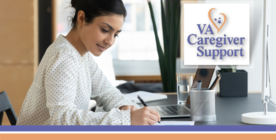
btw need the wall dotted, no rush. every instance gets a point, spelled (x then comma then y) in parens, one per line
(271, 21)
(18, 49)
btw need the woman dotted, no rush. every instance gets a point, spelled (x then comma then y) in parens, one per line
(68, 76)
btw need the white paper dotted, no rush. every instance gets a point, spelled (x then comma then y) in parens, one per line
(176, 123)
(146, 96)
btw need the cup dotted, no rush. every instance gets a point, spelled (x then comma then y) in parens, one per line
(183, 88)
(203, 105)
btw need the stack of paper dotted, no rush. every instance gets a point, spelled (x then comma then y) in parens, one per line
(146, 96)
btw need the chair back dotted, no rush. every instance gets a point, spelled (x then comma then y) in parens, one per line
(5, 106)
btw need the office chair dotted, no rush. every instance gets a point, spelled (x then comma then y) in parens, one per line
(5, 105)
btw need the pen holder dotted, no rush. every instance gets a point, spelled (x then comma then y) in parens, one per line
(203, 105)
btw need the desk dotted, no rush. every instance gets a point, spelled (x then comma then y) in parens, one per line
(228, 109)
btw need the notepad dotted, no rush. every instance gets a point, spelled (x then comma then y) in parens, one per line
(176, 123)
(146, 96)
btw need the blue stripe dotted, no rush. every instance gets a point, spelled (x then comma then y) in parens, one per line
(138, 128)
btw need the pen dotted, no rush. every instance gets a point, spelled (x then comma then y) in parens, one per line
(142, 101)
(199, 85)
(215, 82)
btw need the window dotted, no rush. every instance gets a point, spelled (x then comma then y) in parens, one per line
(64, 13)
(136, 41)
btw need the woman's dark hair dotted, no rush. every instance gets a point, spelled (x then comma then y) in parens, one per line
(96, 8)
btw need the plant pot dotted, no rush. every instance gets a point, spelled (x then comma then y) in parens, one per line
(233, 84)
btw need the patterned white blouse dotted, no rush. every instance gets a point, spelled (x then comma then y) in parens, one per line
(63, 86)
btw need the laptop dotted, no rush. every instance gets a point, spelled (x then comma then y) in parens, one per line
(174, 111)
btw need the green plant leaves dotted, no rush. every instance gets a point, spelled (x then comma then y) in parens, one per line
(170, 13)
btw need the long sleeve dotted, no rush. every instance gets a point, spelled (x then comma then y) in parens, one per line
(62, 88)
(103, 92)
(61, 84)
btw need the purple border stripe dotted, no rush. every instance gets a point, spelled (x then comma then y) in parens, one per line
(138, 128)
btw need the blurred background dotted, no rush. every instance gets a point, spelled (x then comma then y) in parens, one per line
(28, 27)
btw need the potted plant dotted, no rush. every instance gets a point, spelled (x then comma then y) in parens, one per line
(170, 13)
(233, 82)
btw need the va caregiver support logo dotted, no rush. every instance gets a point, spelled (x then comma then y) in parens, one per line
(216, 34)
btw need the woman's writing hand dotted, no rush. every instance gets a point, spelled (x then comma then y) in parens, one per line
(144, 116)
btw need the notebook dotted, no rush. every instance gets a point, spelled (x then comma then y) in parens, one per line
(146, 96)
(176, 123)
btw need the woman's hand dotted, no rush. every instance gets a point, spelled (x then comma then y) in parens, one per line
(144, 116)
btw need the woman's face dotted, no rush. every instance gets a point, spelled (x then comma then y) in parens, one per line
(101, 34)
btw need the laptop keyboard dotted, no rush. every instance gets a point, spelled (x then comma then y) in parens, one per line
(172, 110)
